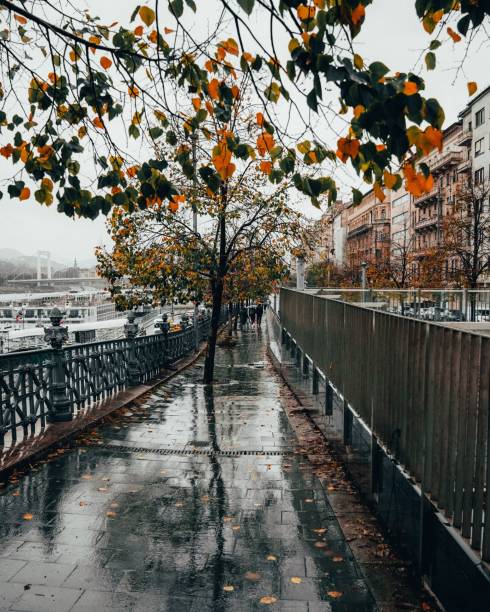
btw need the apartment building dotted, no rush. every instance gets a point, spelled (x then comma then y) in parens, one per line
(368, 231)
(414, 227)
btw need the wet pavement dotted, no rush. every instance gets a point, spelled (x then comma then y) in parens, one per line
(193, 501)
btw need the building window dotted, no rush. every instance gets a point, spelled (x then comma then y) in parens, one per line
(479, 176)
(404, 199)
(480, 117)
(479, 147)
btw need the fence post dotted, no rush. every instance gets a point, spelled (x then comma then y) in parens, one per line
(347, 425)
(56, 335)
(316, 380)
(131, 330)
(328, 399)
(306, 365)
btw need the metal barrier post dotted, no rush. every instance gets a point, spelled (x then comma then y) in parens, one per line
(57, 335)
(131, 330)
(316, 380)
(328, 399)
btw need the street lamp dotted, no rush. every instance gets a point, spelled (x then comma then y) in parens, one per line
(363, 280)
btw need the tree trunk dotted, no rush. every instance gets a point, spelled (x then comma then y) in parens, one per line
(230, 320)
(213, 334)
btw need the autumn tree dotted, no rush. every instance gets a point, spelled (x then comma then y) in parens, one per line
(466, 232)
(245, 226)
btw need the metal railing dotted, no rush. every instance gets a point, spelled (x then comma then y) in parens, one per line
(422, 388)
(54, 384)
(427, 304)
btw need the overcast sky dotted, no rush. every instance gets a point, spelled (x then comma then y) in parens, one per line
(392, 34)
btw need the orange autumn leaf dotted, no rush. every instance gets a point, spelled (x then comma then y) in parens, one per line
(213, 89)
(265, 143)
(268, 599)
(95, 40)
(334, 594)
(347, 147)
(260, 119)
(305, 12)
(266, 167)
(358, 110)
(209, 107)
(358, 14)
(25, 194)
(168, 30)
(472, 87)
(410, 88)
(20, 19)
(389, 179)
(133, 91)
(132, 171)
(225, 173)
(27, 516)
(138, 31)
(105, 62)
(196, 103)
(235, 92)
(98, 123)
(110, 514)
(434, 136)
(209, 65)
(173, 207)
(153, 36)
(454, 35)
(380, 147)
(7, 150)
(378, 192)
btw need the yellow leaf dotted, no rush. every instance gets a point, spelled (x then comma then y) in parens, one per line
(271, 558)
(147, 15)
(358, 61)
(334, 594)
(305, 12)
(27, 516)
(296, 580)
(268, 599)
(472, 87)
(111, 514)
(304, 147)
(228, 588)
(293, 44)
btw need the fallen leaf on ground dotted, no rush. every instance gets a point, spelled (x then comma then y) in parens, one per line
(268, 599)
(227, 519)
(296, 580)
(111, 514)
(16, 494)
(253, 576)
(320, 545)
(82, 504)
(102, 489)
(178, 504)
(236, 527)
(335, 594)
(338, 559)
(27, 516)
(320, 530)
(271, 558)
(228, 588)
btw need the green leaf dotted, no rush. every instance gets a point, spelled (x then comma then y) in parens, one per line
(430, 60)
(176, 7)
(435, 44)
(356, 197)
(247, 5)
(311, 100)
(155, 132)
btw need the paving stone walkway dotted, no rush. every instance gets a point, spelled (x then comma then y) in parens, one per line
(191, 501)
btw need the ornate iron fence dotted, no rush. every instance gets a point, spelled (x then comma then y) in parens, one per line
(54, 384)
(422, 389)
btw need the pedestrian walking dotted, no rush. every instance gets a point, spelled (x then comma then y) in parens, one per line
(251, 314)
(243, 317)
(259, 311)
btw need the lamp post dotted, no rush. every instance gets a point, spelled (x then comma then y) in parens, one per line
(131, 331)
(194, 228)
(57, 335)
(363, 280)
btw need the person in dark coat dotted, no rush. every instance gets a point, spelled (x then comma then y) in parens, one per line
(252, 313)
(259, 311)
(243, 317)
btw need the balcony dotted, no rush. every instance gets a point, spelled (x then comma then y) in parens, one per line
(444, 162)
(465, 138)
(426, 198)
(465, 166)
(360, 229)
(426, 223)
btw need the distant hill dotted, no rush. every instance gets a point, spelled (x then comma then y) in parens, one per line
(16, 265)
